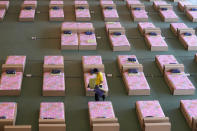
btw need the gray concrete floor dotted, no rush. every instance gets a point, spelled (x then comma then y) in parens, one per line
(16, 40)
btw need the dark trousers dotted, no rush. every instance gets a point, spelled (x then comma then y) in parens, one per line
(97, 97)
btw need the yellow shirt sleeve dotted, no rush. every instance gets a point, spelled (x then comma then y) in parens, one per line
(99, 78)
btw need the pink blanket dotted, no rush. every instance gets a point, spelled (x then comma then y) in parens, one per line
(53, 82)
(144, 25)
(54, 60)
(88, 76)
(110, 13)
(92, 60)
(150, 108)
(70, 39)
(87, 39)
(131, 2)
(179, 81)
(190, 40)
(157, 3)
(101, 110)
(52, 110)
(107, 2)
(8, 109)
(123, 59)
(156, 40)
(30, 2)
(166, 59)
(190, 107)
(82, 13)
(139, 13)
(56, 13)
(27, 14)
(81, 25)
(136, 81)
(69, 25)
(168, 14)
(11, 82)
(16, 60)
(119, 40)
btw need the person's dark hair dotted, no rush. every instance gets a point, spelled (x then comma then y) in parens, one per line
(95, 70)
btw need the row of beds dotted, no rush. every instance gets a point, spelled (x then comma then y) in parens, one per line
(82, 12)
(81, 36)
(130, 68)
(101, 116)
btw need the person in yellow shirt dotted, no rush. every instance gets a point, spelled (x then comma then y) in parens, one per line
(99, 91)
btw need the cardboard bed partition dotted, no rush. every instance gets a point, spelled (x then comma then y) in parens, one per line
(189, 42)
(51, 125)
(17, 128)
(168, 67)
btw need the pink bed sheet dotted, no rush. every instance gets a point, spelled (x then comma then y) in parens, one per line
(111, 25)
(110, 13)
(54, 60)
(81, 2)
(27, 13)
(166, 59)
(139, 13)
(11, 82)
(87, 39)
(131, 2)
(183, 3)
(190, 40)
(31, 2)
(157, 3)
(150, 108)
(69, 25)
(101, 110)
(53, 82)
(92, 60)
(81, 25)
(52, 110)
(144, 25)
(192, 13)
(168, 14)
(177, 26)
(8, 109)
(179, 81)
(136, 81)
(2, 13)
(82, 13)
(70, 39)
(156, 40)
(190, 107)
(119, 40)
(123, 59)
(16, 60)
(88, 76)
(107, 2)
(56, 2)
(56, 13)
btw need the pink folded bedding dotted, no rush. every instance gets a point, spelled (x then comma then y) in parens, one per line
(101, 110)
(27, 14)
(16, 60)
(82, 13)
(56, 13)
(168, 14)
(110, 13)
(190, 107)
(139, 13)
